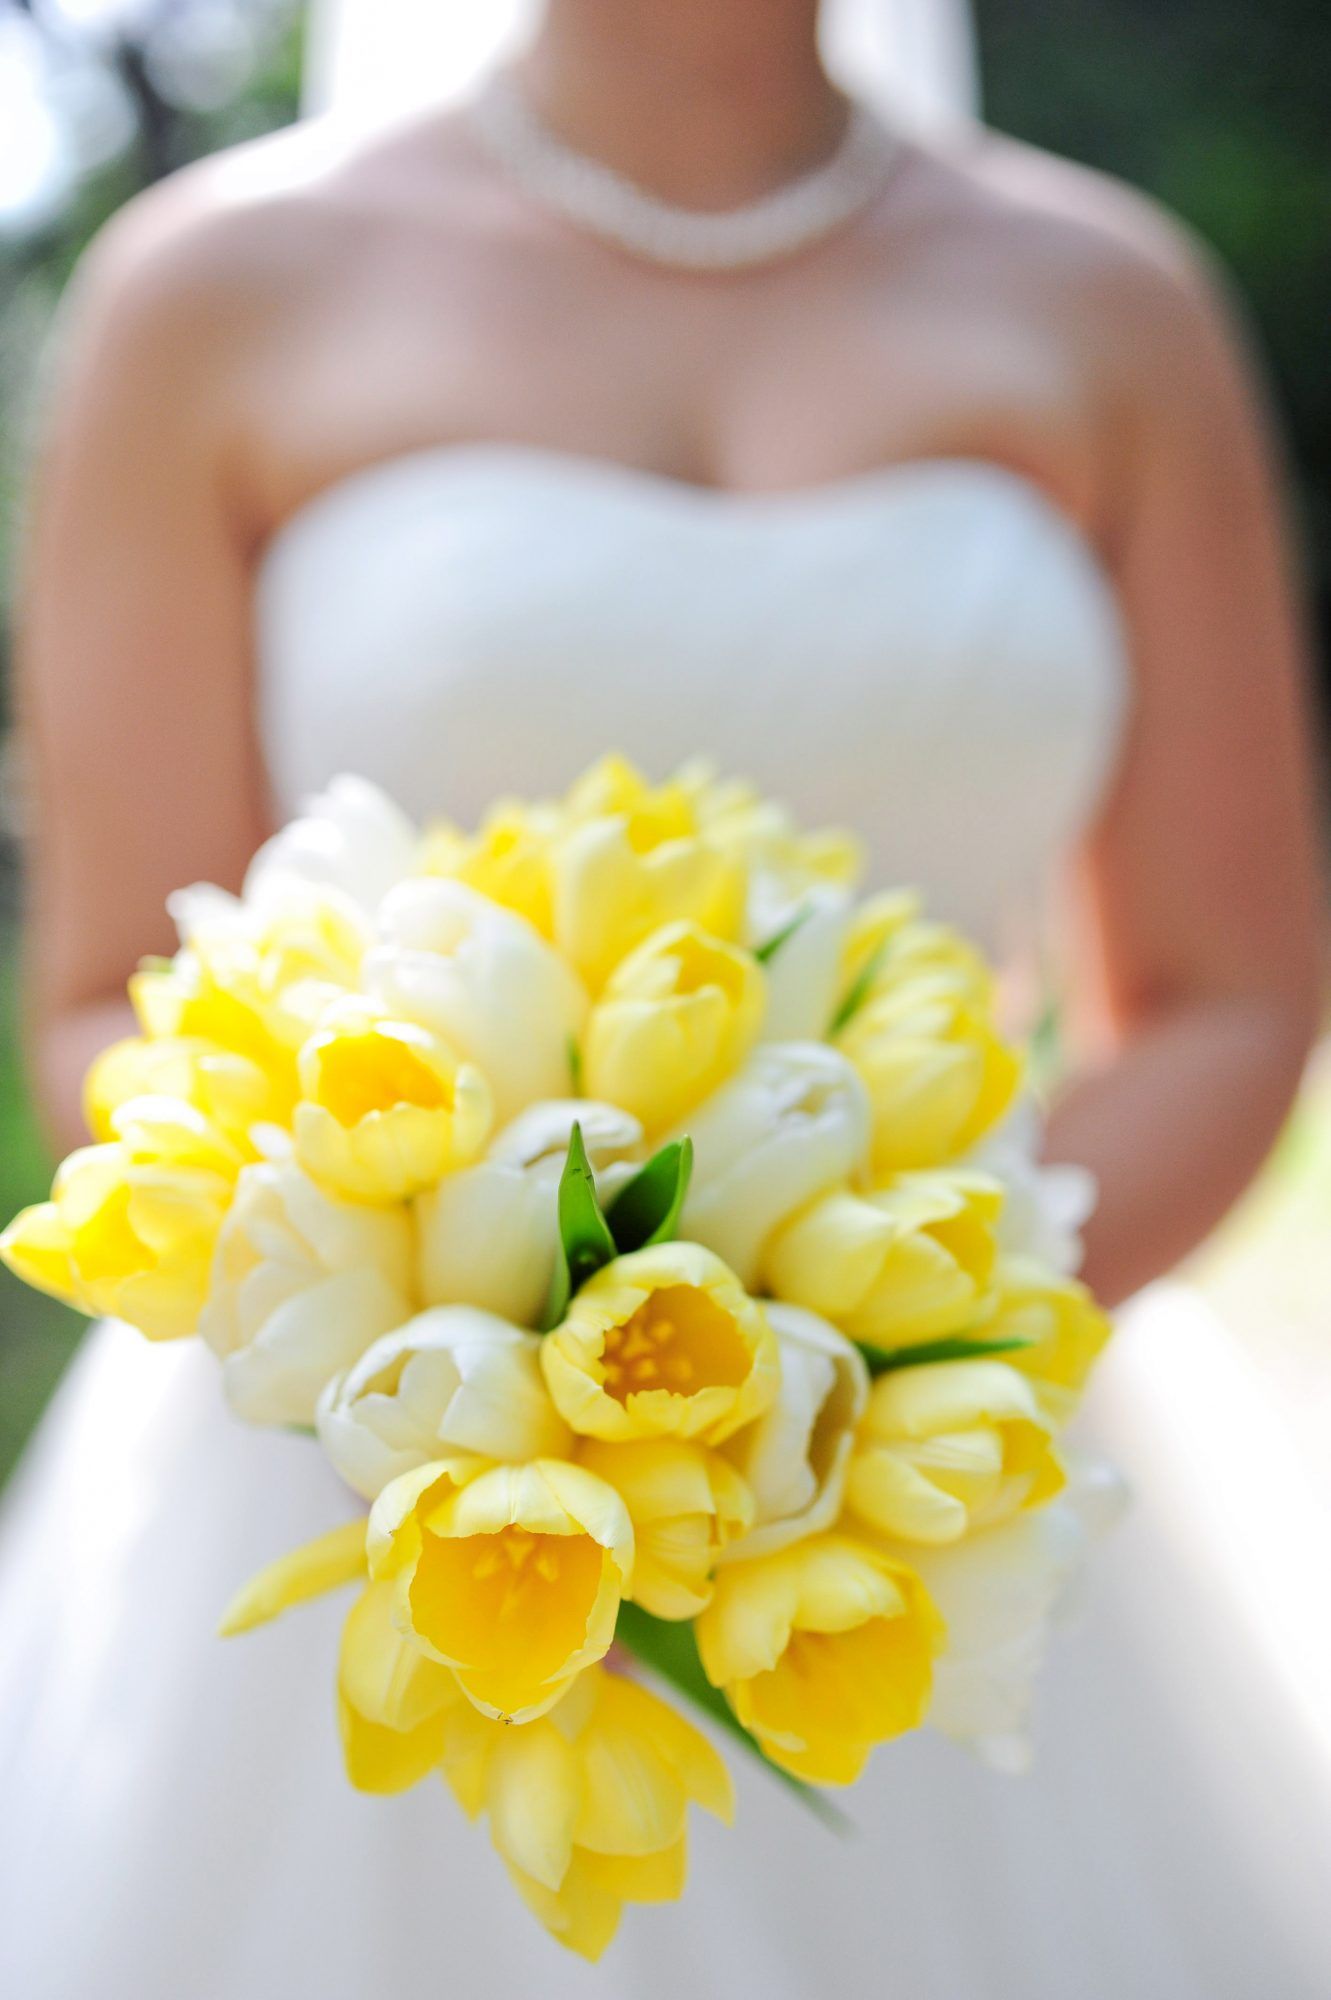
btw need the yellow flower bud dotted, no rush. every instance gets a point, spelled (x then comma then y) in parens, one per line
(677, 1018)
(611, 894)
(512, 1576)
(132, 1224)
(510, 860)
(824, 1649)
(686, 1504)
(588, 1804)
(386, 1107)
(948, 1448)
(913, 1261)
(664, 1342)
(1063, 1325)
(252, 981)
(939, 1075)
(652, 814)
(232, 1092)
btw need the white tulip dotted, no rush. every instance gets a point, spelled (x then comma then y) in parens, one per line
(999, 1592)
(350, 838)
(302, 1284)
(1046, 1205)
(804, 972)
(795, 1457)
(488, 1235)
(793, 1123)
(486, 981)
(452, 1381)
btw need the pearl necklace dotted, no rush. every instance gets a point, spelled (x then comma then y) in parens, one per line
(596, 198)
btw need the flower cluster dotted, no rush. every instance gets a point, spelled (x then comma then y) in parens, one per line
(652, 1235)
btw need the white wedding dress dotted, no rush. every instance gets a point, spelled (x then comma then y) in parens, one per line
(930, 655)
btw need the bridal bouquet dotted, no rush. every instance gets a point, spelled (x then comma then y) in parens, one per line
(651, 1233)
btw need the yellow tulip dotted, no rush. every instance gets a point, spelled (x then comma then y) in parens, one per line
(950, 1447)
(252, 982)
(676, 1019)
(1063, 1325)
(613, 787)
(912, 1261)
(132, 1224)
(686, 1504)
(761, 834)
(664, 1342)
(232, 1092)
(512, 1576)
(588, 1805)
(392, 1700)
(938, 1073)
(509, 859)
(386, 1107)
(824, 1649)
(611, 894)
(889, 942)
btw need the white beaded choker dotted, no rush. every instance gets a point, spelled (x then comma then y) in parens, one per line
(594, 196)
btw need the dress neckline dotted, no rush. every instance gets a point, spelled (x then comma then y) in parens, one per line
(740, 505)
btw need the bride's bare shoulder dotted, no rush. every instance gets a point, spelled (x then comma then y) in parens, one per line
(1127, 278)
(229, 251)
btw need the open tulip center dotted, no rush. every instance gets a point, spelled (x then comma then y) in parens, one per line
(679, 1340)
(360, 1074)
(488, 1600)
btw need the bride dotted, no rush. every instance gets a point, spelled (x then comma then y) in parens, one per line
(932, 493)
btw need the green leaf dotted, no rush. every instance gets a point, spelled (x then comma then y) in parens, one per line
(669, 1647)
(960, 1347)
(648, 1208)
(585, 1242)
(769, 948)
(860, 988)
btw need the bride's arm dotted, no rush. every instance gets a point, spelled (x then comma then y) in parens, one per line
(1198, 893)
(134, 644)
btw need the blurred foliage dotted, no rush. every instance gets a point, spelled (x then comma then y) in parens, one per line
(1217, 107)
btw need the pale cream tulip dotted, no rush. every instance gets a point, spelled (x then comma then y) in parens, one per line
(302, 1283)
(484, 981)
(795, 1457)
(804, 969)
(450, 1383)
(793, 1123)
(999, 1593)
(350, 837)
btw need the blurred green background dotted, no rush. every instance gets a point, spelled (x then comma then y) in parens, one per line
(1217, 107)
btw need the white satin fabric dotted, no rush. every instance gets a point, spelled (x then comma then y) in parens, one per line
(932, 655)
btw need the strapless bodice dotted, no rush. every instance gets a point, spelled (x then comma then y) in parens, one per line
(928, 654)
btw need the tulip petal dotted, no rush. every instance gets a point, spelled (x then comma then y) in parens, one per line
(319, 1566)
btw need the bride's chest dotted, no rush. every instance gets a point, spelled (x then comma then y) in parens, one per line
(928, 654)
(785, 380)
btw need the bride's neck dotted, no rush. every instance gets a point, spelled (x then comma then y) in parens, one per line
(709, 103)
